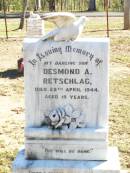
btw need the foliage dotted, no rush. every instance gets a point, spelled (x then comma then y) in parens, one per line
(114, 5)
(13, 5)
(64, 5)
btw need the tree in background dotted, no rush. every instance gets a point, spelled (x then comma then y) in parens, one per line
(1, 5)
(92, 5)
(25, 5)
(51, 5)
(126, 14)
(37, 5)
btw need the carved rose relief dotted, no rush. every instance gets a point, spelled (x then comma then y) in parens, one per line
(65, 117)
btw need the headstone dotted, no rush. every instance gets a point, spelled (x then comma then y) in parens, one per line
(67, 82)
(66, 101)
(67, 75)
(35, 26)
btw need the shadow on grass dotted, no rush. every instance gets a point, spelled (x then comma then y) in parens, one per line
(11, 74)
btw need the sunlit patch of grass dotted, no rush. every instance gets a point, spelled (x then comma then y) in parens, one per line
(11, 137)
(12, 26)
(14, 87)
(121, 59)
(120, 48)
(119, 134)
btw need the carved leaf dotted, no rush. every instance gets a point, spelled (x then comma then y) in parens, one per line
(80, 121)
(60, 112)
(68, 109)
(60, 123)
(81, 124)
(75, 114)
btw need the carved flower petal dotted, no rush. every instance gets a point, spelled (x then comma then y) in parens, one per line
(67, 119)
(54, 123)
(54, 116)
(75, 114)
(59, 112)
(60, 123)
(68, 109)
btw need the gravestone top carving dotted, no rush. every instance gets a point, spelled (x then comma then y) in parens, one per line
(68, 27)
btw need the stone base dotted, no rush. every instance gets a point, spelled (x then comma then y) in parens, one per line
(100, 134)
(66, 149)
(112, 165)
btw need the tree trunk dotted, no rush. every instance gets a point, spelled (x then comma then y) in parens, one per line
(5, 17)
(1, 5)
(43, 4)
(92, 5)
(37, 5)
(126, 14)
(51, 5)
(61, 5)
(25, 5)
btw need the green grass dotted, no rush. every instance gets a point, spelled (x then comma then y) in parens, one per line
(12, 89)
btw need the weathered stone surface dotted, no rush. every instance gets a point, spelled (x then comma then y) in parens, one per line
(21, 165)
(77, 134)
(35, 27)
(67, 73)
(66, 149)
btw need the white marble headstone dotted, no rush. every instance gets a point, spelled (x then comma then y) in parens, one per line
(66, 74)
(35, 27)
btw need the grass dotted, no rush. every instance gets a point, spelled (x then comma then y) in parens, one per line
(12, 90)
(12, 24)
(119, 134)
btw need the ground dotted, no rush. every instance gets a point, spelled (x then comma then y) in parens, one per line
(12, 90)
